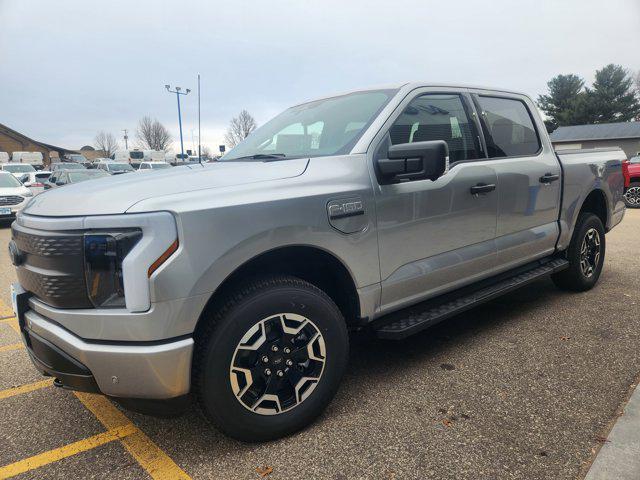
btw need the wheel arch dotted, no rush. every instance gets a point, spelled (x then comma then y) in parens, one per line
(312, 264)
(596, 203)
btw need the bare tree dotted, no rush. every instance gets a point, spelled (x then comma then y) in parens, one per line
(205, 152)
(239, 128)
(106, 142)
(152, 134)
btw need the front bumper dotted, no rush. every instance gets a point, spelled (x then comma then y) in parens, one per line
(143, 370)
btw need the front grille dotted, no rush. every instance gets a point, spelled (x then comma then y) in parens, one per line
(48, 245)
(52, 266)
(6, 200)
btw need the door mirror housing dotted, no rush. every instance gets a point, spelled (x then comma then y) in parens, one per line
(414, 161)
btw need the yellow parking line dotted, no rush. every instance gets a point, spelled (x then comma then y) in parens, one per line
(157, 463)
(11, 346)
(12, 322)
(6, 310)
(29, 387)
(51, 456)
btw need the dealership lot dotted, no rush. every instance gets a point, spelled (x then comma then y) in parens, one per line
(524, 387)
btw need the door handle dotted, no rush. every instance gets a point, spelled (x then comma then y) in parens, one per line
(482, 188)
(549, 177)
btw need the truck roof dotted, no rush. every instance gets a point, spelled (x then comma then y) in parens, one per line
(408, 86)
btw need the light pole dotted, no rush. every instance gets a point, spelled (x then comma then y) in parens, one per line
(199, 153)
(178, 91)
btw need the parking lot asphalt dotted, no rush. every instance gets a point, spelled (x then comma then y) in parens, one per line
(527, 386)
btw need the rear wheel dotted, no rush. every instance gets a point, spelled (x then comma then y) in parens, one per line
(632, 195)
(585, 255)
(270, 359)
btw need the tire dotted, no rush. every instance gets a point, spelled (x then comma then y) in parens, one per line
(632, 195)
(230, 380)
(585, 255)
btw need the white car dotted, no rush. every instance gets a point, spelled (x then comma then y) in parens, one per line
(35, 181)
(153, 155)
(148, 166)
(13, 196)
(18, 169)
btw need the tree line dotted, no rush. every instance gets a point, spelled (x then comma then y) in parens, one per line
(614, 96)
(153, 135)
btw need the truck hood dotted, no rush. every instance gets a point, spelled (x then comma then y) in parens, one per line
(116, 194)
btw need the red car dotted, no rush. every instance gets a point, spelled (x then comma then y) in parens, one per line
(631, 170)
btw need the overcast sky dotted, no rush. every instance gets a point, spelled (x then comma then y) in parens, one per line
(69, 68)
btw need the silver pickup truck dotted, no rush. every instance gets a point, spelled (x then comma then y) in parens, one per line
(236, 283)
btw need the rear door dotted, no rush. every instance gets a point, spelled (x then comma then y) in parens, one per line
(529, 178)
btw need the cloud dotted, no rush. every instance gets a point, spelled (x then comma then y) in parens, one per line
(72, 67)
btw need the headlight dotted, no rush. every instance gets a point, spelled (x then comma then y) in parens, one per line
(103, 256)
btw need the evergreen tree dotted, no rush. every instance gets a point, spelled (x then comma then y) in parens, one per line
(613, 96)
(559, 105)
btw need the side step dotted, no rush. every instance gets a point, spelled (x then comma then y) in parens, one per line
(406, 322)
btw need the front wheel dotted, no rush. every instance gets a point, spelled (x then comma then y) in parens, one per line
(632, 195)
(585, 254)
(270, 359)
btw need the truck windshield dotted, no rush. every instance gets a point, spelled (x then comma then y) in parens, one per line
(331, 126)
(135, 155)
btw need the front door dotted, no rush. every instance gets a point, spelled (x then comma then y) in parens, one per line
(529, 179)
(437, 235)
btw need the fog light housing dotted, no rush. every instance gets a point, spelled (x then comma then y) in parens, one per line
(103, 256)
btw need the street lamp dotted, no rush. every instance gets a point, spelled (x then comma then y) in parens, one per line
(178, 91)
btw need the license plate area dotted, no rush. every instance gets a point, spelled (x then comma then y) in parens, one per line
(5, 211)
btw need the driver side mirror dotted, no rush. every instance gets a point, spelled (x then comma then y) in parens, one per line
(414, 161)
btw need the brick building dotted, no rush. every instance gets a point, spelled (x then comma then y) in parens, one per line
(13, 141)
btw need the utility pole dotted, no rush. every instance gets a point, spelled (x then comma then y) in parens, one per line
(126, 139)
(199, 138)
(178, 91)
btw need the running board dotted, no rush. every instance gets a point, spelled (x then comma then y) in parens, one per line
(406, 322)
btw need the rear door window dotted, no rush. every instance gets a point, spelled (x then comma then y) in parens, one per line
(508, 127)
(438, 117)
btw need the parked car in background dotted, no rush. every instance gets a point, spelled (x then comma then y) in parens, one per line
(32, 158)
(66, 177)
(13, 196)
(153, 155)
(127, 156)
(75, 158)
(236, 284)
(176, 158)
(631, 170)
(115, 168)
(35, 181)
(148, 166)
(54, 167)
(18, 169)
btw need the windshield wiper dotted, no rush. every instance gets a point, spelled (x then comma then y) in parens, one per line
(260, 156)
